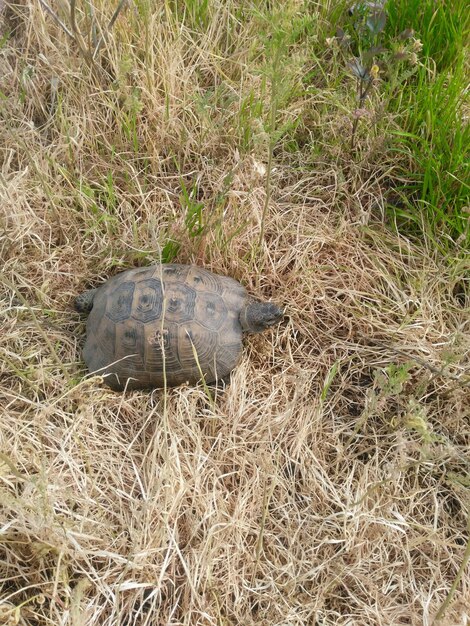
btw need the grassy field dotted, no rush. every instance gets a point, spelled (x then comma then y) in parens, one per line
(320, 158)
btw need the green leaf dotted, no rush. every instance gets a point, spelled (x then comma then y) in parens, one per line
(358, 69)
(376, 22)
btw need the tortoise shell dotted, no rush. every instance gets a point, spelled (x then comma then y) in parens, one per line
(173, 323)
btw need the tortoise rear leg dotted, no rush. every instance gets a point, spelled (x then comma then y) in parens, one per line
(84, 302)
(224, 381)
(221, 383)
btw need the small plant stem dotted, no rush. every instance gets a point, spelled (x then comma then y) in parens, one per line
(267, 495)
(91, 36)
(362, 96)
(201, 373)
(77, 36)
(365, 93)
(56, 18)
(356, 119)
(466, 559)
(109, 27)
(272, 141)
(267, 197)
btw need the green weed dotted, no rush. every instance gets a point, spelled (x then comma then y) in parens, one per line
(195, 219)
(170, 251)
(417, 52)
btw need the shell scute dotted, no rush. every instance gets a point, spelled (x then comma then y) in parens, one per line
(119, 306)
(129, 338)
(179, 302)
(161, 348)
(203, 281)
(210, 310)
(147, 305)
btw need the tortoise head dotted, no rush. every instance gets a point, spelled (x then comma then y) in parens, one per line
(256, 316)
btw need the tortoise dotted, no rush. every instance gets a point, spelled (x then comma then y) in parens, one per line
(168, 324)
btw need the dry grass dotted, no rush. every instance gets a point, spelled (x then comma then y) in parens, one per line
(329, 485)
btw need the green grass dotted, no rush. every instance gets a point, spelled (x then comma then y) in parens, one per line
(434, 132)
(421, 111)
(442, 27)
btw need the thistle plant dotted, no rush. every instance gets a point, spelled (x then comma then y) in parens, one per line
(369, 58)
